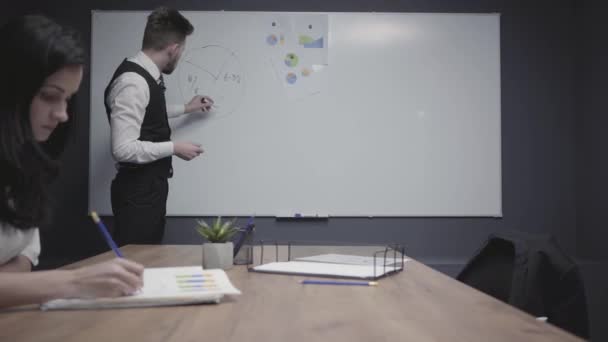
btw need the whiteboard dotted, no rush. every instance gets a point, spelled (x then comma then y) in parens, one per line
(403, 120)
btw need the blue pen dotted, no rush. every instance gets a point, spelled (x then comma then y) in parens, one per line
(106, 234)
(335, 282)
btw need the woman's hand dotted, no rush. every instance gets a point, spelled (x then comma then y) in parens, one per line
(118, 277)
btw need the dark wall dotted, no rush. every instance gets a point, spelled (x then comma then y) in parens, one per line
(592, 156)
(592, 128)
(538, 134)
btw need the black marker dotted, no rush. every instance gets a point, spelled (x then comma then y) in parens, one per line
(204, 100)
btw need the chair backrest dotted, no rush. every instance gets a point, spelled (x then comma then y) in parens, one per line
(491, 269)
(533, 274)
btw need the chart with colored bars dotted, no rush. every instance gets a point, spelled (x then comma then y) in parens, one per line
(203, 281)
(185, 280)
(298, 52)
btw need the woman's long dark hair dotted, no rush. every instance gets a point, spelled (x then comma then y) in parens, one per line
(35, 48)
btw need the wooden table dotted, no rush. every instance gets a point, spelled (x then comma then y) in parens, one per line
(418, 304)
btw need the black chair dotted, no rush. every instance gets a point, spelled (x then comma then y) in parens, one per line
(533, 274)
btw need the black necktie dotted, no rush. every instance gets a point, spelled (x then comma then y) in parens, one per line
(161, 83)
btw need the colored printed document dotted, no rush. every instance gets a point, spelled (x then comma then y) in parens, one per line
(162, 287)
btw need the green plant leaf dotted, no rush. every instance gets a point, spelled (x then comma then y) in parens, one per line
(219, 231)
(218, 223)
(230, 234)
(227, 224)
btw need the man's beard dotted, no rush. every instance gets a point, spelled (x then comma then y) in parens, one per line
(170, 67)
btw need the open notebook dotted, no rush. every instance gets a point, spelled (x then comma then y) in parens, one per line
(162, 287)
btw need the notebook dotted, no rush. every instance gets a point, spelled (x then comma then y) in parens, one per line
(162, 287)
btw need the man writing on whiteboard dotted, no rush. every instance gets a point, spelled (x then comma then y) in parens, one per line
(141, 136)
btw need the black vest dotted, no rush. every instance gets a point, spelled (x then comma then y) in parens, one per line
(155, 126)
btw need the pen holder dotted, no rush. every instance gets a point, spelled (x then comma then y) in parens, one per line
(243, 257)
(218, 255)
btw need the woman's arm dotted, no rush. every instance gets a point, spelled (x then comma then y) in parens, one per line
(113, 278)
(33, 287)
(20, 263)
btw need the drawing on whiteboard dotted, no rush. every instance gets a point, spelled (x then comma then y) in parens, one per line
(298, 56)
(215, 71)
(306, 71)
(291, 78)
(279, 28)
(291, 60)
(272, 39)
(311, 38)
(310, 43)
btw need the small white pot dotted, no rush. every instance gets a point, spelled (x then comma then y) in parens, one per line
(218, 255)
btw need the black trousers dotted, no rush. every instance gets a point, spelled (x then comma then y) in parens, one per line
(139, 204)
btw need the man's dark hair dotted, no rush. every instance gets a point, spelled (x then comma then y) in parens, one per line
(165, 26)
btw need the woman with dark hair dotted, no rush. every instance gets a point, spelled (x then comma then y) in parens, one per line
(43, 70)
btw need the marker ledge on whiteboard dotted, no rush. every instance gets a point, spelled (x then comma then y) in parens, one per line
(301, 216)
(304, 216)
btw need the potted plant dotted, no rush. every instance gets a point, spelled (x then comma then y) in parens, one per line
(218, 249)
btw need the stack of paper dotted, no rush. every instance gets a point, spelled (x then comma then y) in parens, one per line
(353, 259)
(338, 265)
(162, 286)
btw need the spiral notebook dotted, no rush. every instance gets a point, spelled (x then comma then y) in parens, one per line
(162, 287)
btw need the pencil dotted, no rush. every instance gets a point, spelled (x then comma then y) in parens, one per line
(334, 282)
(106, 234)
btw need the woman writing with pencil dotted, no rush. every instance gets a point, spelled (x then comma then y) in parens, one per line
(43, 65)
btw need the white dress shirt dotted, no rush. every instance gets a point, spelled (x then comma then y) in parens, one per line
(128, 98)
(14, 242)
